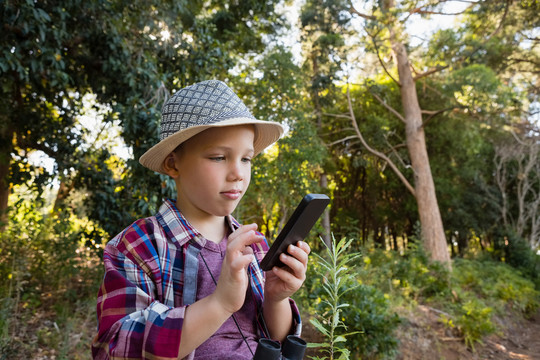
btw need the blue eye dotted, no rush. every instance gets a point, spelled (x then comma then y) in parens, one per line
(246, 160)
(217, 158)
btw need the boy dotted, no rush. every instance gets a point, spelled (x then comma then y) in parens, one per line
(186, 283)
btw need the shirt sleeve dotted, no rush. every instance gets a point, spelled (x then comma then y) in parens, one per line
(134, 321)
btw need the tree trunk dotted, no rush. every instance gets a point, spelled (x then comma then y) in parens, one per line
(323, 180)
(428, 209)
(62, 194)
(326, 214)
(5, 159)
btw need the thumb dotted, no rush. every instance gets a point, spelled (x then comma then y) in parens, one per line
(242, 262)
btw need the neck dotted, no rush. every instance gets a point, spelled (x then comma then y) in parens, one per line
(214, 230)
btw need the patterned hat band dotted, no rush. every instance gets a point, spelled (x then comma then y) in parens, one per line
(198, 107)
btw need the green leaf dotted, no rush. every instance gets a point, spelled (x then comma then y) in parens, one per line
(317, 345)
(320, 327)
(340, 339)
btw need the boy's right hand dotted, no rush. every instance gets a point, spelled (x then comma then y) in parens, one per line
(233, 279)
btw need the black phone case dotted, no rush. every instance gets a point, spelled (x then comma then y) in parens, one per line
(297, 228)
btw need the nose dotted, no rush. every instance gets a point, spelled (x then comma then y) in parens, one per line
(236, 171)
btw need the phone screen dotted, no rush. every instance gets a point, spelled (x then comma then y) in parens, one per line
(297, 228)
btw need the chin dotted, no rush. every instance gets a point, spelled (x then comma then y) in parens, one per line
(224, 209)
(223, 212)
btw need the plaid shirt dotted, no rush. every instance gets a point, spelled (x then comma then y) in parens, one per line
(140, 305)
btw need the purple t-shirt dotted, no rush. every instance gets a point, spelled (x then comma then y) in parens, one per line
(226, 343)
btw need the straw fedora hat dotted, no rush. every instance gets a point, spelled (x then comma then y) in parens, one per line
(198, 107)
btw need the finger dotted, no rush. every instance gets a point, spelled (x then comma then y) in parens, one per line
(244, 239)
(241, 230)
(304, 246)
(299, 253)
(295, 266)
(247, 250)
(240, 263)
(291, 281)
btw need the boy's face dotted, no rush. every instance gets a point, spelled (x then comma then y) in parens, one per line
(214, 171)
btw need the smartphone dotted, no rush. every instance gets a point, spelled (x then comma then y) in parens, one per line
(297, 228)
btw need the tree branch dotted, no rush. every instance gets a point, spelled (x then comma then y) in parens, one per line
(341, 130)
(375, 152)
(429, 72)
(528, 61)
(353, 10)
(393, 150)
(372, 37)
(426, 12)
(419, 10)
(343, 140)
(432, 114)
(24, 144)
(508, 3)
(337, 115)
(389, 108)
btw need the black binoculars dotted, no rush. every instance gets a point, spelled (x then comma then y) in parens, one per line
(293, 349)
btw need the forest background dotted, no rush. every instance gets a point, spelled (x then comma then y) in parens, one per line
(426, 139)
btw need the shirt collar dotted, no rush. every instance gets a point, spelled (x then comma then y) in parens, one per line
(179, 229)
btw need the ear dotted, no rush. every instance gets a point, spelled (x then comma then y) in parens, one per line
(169, 165)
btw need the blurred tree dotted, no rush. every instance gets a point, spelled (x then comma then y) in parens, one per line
(291, 168)
(517, 165)
(440, 68)
(130, 55)
(323, 42)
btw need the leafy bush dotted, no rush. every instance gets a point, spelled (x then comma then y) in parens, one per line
(498, 283)
(370, 313)
(48, 267)
(470, 296)
(481, 290)
(352, 310)
(516, 252)
(472, 318)
(409, 276)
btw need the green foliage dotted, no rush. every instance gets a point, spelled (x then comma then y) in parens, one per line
(7, 309)
(474, 321)
(481, 290)
(131, 57)
(355, 314)
(48, 265)
(510, 248)
(469, 297)
(478, 88)
(337, 279)
(369, 312)
(505, 287)
(284, 173)
(411, 275)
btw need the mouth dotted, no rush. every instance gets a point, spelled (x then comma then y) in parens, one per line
(232, 194)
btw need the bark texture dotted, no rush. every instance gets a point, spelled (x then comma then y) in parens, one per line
(5, 157)
(428, 208)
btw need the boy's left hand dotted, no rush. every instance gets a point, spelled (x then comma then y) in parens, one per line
(282, 282)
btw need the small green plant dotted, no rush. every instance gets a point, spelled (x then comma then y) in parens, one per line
(338, 280)
(481, 290)
(475, 322)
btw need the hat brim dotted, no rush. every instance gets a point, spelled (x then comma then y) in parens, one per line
(266, 133)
